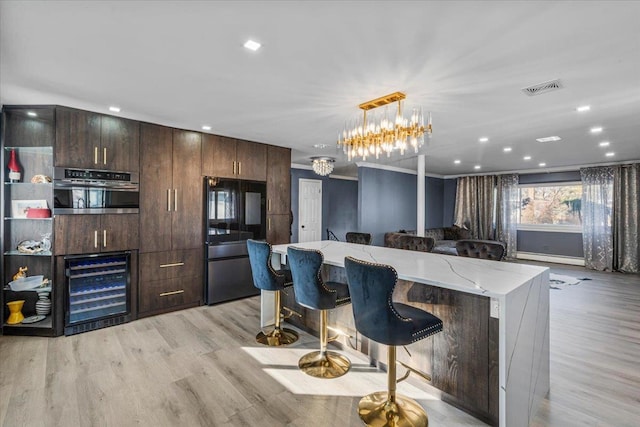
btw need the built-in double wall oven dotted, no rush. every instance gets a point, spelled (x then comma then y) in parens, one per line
(81, 191)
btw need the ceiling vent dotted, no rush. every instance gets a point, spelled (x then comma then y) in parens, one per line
(544, 87)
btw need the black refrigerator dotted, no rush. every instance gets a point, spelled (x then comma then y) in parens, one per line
(235, 211)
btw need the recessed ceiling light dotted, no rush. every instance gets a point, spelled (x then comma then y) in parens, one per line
(31, 114)
(506, 149)
(114, 109)
(542, 165)
(320, 145)
(549, 139)
(604, 144)
(596, 129)
(483, 139)
(476, 167)
(610, 154)
(527, 157)
(206, 127)
(252, 45)
(457, 162)
(583, 108)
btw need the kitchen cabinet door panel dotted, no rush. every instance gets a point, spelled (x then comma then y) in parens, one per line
(278, 229)
(156, 188)
(120, 140)
(165, 295)
(76, 234)
(119, 232)
(251, 159)
(156, 266)
(186, 222)
(77, 138)
(278, 180)
(218, 156)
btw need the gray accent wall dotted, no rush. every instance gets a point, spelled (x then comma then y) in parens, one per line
(449, 201)
(387, 202)
(339, 203)
(342, 208)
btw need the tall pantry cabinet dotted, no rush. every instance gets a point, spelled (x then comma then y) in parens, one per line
(171, 241)
(278, 195)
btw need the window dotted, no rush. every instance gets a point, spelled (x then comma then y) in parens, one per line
(551, 207)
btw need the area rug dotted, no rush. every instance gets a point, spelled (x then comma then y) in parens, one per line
(559, 281)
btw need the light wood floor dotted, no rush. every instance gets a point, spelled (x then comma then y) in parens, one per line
(201, 367)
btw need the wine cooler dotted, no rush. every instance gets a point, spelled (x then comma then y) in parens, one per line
(98, 291)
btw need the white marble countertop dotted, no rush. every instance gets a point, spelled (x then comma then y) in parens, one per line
(490, 278)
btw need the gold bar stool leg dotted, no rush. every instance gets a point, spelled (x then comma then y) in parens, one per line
(278, 336)
(324, 363)
(386, 408)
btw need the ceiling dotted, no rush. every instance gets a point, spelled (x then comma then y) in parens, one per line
(182, 64)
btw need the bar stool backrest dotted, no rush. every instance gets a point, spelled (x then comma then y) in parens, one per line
(308, 286)
(360, 238)
(371, 289)
(264, 276)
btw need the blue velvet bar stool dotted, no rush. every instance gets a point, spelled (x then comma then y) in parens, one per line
(314, 293)
(268, 279)
(391, 323)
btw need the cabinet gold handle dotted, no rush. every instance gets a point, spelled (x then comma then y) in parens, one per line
(105, 156)
(95, 155)
(169, 199)
(95, 238)
(175, 200)
(239, 168)
(104, 238)
(269, 205)
(234, 167)
(175, 264)
(269, 223)
(164, 294)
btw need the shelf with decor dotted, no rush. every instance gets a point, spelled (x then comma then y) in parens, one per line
(28, 135)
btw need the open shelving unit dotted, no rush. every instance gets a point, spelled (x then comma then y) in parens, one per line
(30, 132)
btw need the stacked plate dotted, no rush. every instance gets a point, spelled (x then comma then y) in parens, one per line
(43, 306)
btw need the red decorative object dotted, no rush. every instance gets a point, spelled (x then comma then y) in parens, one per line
(14, 167)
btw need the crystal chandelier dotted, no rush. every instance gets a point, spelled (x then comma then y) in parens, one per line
(382, 135)
(322, 165)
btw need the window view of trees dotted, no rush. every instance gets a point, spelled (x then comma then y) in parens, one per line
(551, 205)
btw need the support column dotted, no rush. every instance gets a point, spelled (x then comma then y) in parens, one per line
(420, 196)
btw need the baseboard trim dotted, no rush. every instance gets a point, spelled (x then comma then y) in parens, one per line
(557, 259)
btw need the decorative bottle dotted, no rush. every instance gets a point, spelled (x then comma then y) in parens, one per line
(14, 167)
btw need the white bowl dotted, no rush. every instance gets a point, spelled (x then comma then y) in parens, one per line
(26, 283)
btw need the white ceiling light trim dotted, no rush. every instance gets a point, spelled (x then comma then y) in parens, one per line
(549, 139)
(252, 45)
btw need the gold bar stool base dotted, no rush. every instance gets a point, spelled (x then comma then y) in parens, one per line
(329, 365)
(376, 410)
(277, 337)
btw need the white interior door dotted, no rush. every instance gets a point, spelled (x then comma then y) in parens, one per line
(309, 210)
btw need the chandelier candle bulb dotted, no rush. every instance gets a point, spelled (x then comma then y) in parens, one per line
(373, 136)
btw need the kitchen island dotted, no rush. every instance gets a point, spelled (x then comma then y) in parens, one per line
(492, 358)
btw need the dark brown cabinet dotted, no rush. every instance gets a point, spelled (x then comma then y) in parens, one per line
(86, 234)
(171, 220)
(278, 229)
(170, 280)
(90, 140)
(233, 158)
(278, 195)
(278, 180)
(171, 189)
